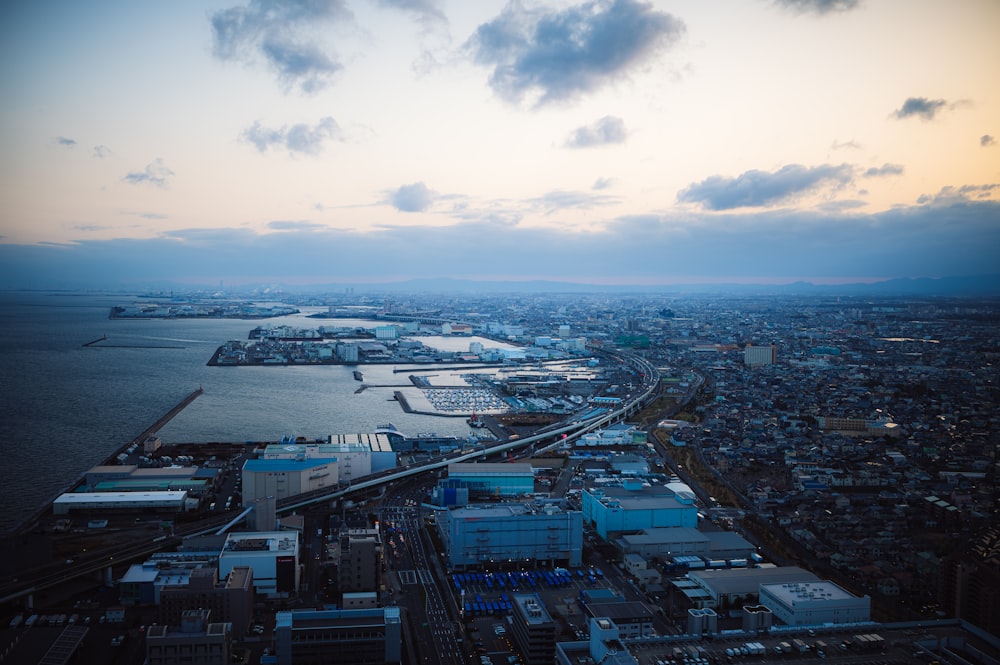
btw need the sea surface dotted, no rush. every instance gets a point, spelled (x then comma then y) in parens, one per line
(65, 407)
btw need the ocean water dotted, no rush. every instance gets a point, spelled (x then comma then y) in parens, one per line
(65, 407)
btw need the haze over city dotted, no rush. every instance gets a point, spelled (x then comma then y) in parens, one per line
(615, 142)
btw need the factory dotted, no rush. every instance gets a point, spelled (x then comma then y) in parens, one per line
(491, 479)
(616, 506)
(526, 533)
(814, 603)
(284, 477)
(166, 501)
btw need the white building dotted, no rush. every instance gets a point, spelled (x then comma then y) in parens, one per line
(756, 356)
(357, 455)
(273, 556)
(814, 603)
(282, 478)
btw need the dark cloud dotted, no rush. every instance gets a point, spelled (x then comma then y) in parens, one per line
(155, 173)
(782, 244)
(607, 130)
(818, 6)
(278, 31)
(956, 195)
(884, 170)
(986, 140)
(561, 55)
(411, 198)
(100, 151)
(921, 107)
(63, 141)
(759, 188)
(300, 138)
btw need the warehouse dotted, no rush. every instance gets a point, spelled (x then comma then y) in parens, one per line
(118, 501)
(527, 533)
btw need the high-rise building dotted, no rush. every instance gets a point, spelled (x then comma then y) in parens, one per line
(757, 356)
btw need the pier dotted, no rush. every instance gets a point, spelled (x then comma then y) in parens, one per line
(96, 341)
(166, 418)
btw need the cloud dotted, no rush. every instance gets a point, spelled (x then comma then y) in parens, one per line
(300, 138)
(155, 173)
(292, 225)
(759, 188)
(561, 55)
(555, 201)
(921, 107)
(986, 140)
(884, 170)
(63, 141)
(603, 183)
(818, 6)
(426, 11)
(605, 131)
(100, 151)
(278, 31)
(956, 195)
(411, 198)
(904, 241)
(840, 145)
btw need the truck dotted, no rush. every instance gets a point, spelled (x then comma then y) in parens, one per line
(800, 646)
(755, 649)
(821, 648)
(783, 647)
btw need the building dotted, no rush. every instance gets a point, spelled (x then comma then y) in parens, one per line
(528, 533)
(633, 618)
(970, 582)
(332, 637)
(667, 543)
(230, 601)
(360, 560)
(732, 587)
(604, 646)
(631, 505)
(532, 629)
(492, 479)
(166, 502)
(282, 478)
(757, 356)
(273, 556)
(358, 455)
(814, 603)
(196, 640)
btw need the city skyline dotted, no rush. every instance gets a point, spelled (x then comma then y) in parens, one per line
(609, 142)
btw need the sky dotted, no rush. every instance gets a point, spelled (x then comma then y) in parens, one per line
(607, 142)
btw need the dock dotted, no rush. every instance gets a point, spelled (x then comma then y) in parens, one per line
(166, 418)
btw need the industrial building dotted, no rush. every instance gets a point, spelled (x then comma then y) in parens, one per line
(605, 646)
(633, 618)
(281, 478)
(492, 479)
(619, 506)
(333, 637)
(814, 603)
(728, 587)
(358, 455)
(539, 532)
(667, 543)
(167, 501)
(273, 556)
